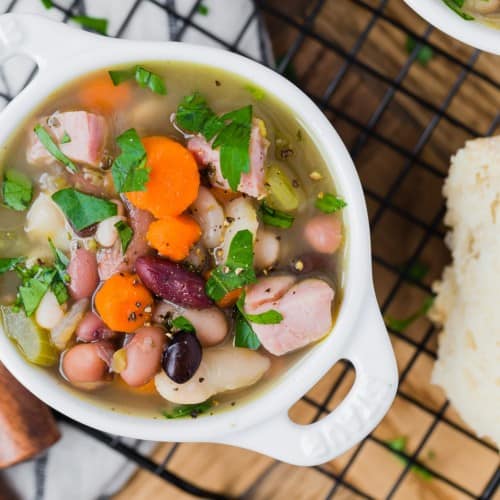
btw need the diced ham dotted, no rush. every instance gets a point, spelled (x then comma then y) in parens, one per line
(111, 260)
(267, 290)
(251, 183)
(306, 308)
(87, 133)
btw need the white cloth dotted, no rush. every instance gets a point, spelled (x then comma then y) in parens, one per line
(79, 467)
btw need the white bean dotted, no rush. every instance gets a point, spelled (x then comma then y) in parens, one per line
(210, 325)
(49, 312)
(221, 369)
(106, 233)
(209, 215)
(267, 248)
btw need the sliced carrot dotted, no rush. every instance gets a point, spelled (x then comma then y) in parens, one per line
(174, 179)
(173, 237)
(99, 94)
(147, 389)
(230, 298)
(123, 303)
(224, 195)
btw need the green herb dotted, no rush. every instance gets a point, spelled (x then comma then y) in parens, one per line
(329, 203)
(47, 4)
(60, 291)
(231, 133)
(270, 317)
(9, 263)
(424, 54)
(182, 323)
(82, 210)
(244, 336)
(129, 169)
(17, 190)
(188, 410)
(417, 271)
(59, 282)
(276, 218)
(65, 138)
(399, 325)
(456, 6)
(97, 24)
(143, 77)
(238, 270)
(125, 233)
(32, 290)
(257, 93)
(398, 445)
(202, 9)
(52, 148)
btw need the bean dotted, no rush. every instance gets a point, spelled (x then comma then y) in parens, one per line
(210, 325)
(172, 282)
(143, 354)
(83, 363)
(82, 270)
(267, 248)
(49, 312)
(209, 215)
(92, 328)
(324, 233)
(182, 357)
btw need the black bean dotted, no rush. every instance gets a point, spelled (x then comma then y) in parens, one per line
(182, 357)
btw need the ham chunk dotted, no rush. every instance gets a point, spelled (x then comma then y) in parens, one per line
(251, 183)
(87, 132)
(111, 260)
(306, 308)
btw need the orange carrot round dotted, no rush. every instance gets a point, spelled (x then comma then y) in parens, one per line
(224, 195)
(100, 94)
(147, 389)
(174, 179)
(230, 298)
(173, 237)
(124, 303)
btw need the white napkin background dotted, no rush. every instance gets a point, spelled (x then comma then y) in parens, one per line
(79, 467)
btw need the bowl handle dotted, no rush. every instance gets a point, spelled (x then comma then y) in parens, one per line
(41, 39)
(370, 397)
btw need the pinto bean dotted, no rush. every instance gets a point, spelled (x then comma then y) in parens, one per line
(82, 270)
(92, 328)
(84, 363)
(324, 233)
(144, 354)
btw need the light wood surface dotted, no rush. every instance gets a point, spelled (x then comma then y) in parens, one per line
(448, 451)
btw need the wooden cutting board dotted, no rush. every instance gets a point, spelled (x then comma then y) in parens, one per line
(448, 451)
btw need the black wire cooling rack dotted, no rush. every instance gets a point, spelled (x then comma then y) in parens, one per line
(416, 116)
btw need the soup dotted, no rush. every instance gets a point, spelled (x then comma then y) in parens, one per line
(171, 239)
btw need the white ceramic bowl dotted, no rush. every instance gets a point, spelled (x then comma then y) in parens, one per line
(474, 33)
(359, 335)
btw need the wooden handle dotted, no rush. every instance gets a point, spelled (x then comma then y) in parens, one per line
(27, 426)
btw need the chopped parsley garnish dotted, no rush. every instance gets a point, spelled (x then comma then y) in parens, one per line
(456, 6)
(329, 203)
(230, 132)
(9, 263)
(129, 170)
(188, 410)
(244, 336)
(257, 93)
(270, 317)
(276, 218)
(202, 9)
(398, 445)
(182, 323)
(143, 77)
(65, 138)
(62, 278)
(125, 233)
(17, 190)
(33, 289)
(424, 54)
(97, 24)
(53, 149)
(238, 269)
(82, 210)
(399, 325)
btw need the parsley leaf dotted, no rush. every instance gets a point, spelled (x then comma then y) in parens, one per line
(125, 233)
(270, 317)
(53, 149)
(399, 325)
(65, 138)
(244, 336)
(329, 203)
(97, 24)
(456, 6)
(182, 323)
(143, 77)
(231, 133)
(17, 190)
(424, 54)
(58, 285)
(192, 410)
(83, 210)
(32, 290)
(129, 169)
(398, 445)
(238, 270)
(273, 217)
(9, 263)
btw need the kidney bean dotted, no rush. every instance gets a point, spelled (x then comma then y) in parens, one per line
(83, 363)
(82, 270)
(144, 354)
(182, 357)
(172, 282)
